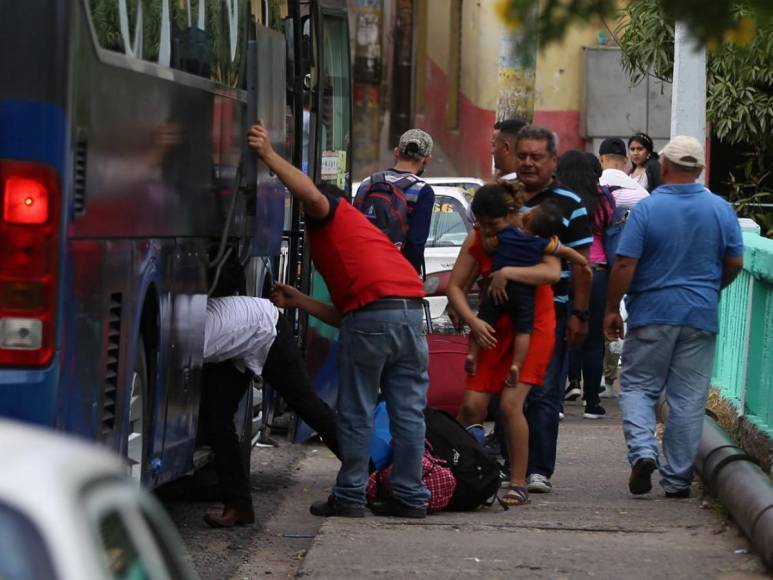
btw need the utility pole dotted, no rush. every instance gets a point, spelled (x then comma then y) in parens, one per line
(688, 97)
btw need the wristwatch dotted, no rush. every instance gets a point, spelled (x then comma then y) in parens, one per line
(583, 315)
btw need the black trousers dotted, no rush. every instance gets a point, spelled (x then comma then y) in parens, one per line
(519, 305)
(224, 386)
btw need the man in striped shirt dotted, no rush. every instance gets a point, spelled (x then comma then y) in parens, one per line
(536, 157)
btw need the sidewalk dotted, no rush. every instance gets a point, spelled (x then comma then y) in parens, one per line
(590, 526)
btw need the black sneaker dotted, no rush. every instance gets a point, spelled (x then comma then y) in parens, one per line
(681, 494)
(573, 391)
(332, 508)
(394, 507)
(594, 412)
(640, 481)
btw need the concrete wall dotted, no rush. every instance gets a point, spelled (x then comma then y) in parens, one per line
(558, 86)
(466, 145)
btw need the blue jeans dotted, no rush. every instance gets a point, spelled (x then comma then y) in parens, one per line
(588, 359)
(543, 404)
(385, 348)
(678, 359)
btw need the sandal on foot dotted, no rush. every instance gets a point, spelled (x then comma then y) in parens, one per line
(515, 495)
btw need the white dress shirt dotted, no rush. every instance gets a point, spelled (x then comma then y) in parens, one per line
(241, 328)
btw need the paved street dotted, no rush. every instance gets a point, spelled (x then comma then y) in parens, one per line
(590, 526)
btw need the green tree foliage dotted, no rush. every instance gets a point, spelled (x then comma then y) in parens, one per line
(709, 20)
(739, 100)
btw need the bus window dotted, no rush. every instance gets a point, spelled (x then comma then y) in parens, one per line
(209, 38)
(334, 130)
(203, 37)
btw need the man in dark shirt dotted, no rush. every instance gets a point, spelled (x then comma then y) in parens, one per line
(412, 155)
(536, 160)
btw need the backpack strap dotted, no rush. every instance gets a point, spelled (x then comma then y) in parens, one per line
(378, 178)
(410, 185)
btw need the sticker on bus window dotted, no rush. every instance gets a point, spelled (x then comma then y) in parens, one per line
(330, 163)
(334, 168)
(341, 177)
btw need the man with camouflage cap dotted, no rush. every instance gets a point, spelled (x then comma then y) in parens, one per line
(412, 154)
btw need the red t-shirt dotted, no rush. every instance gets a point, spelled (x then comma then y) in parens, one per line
(358, 262)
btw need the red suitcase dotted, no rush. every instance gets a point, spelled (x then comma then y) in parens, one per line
(446, 369)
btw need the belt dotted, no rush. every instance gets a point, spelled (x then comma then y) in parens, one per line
(599, 266)
(395, 304)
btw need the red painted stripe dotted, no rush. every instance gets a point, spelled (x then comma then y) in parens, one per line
(566, 124)
(468, 147)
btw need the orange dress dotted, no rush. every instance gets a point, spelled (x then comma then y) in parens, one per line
(493, 366)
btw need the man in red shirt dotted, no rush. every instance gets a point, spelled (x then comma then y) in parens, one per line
(377, 304)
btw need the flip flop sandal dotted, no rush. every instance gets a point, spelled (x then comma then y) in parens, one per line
(516, 495)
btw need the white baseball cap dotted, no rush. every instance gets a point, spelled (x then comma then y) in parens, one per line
(685, 151)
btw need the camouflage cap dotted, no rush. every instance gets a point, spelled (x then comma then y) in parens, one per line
(415, 144)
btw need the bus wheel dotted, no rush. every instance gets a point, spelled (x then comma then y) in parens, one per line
(135, 450)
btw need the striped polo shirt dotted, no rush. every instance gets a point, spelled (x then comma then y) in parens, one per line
(576, 232)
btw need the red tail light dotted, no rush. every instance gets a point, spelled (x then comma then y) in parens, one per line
(28, 262)
(25, 201)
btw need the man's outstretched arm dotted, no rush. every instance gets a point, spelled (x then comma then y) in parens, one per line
(284, 296)
(301, 187)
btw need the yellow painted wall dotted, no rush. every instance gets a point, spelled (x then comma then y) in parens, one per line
(559, 71)
(438, 43)
(481, 32)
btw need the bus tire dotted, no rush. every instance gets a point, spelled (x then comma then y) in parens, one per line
(138, 418)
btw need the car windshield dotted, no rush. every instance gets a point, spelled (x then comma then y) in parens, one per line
(23, 554)
(450, 225)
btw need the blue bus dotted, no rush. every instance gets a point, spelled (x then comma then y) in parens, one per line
(125, 187)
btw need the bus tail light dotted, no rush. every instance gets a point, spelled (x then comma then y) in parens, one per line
(29, 230)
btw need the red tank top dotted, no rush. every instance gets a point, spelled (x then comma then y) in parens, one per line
(358, 262)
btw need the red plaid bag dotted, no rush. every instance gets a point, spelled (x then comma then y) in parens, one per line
(437, 477)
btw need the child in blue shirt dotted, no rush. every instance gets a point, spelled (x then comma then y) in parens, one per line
(519, 239)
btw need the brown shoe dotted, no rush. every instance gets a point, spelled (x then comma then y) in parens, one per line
(230, 517)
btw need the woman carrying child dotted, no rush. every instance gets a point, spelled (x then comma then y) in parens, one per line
(496, 341)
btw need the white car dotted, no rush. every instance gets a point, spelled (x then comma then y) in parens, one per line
(447, 231)
(69, 511)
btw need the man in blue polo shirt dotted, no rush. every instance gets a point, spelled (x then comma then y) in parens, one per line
(680, 247)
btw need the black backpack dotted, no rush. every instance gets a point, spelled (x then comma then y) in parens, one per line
(476, 473)
(384, 203)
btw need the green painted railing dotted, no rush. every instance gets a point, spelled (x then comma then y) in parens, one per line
(743, 368)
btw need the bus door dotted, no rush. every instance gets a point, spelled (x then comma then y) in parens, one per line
(330, 162)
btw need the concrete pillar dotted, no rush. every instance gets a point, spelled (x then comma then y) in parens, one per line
(688, 97)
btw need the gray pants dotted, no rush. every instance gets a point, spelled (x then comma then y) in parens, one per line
(678, 359)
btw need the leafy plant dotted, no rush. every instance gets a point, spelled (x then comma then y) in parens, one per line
(751, 189)
(739, 101)
(709, 21)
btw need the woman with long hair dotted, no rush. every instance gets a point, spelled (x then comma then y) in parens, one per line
(580, 172)
(644, 160)
(496, 342)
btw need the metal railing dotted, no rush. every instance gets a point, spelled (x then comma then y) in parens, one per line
(743, 367)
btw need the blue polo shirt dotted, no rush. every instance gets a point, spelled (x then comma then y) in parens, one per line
(680, 235)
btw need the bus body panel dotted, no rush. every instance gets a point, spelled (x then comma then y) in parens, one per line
(147, 158)
(34, 128)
